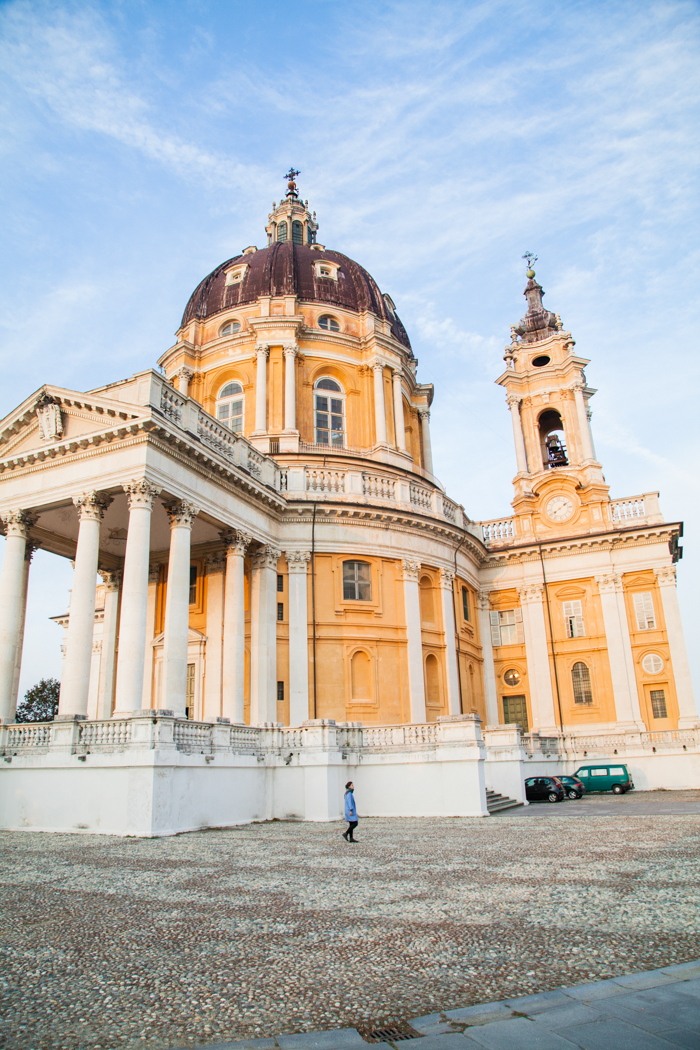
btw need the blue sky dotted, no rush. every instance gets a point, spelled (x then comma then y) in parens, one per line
(143, 143)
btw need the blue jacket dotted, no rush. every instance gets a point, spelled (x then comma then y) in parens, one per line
(350, 808)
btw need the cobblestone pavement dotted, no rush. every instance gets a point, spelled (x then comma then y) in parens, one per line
(283, 927)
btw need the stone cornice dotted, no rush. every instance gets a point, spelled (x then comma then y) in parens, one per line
(637, 536)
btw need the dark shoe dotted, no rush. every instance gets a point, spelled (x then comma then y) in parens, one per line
(345, 836)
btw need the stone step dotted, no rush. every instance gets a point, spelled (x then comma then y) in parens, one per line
(496, 802)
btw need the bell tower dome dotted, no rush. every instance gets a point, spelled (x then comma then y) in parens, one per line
(559, 481)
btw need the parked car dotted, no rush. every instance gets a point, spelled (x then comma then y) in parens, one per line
(543, 789)
(573, 787)
(606, 777)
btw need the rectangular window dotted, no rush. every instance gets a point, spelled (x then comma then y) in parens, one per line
(280, 692)
(280, 583)
(193, 585)
(658, 703)
(644, 611)
(189, 692)
(465, 603)
(507, 627)
(329, 421)
(599, 772)
(573, 618)
(357, 581)
(280, 610)
(617, 771)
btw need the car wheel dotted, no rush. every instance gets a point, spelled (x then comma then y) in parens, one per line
(553, 798)
(618, 789)
(574, 794)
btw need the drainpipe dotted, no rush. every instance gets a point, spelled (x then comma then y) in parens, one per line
(313, 596)
(551, 635)
(454, 617)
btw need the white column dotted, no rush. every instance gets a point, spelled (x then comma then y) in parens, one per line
(185, 376)
(108, 662)
(12, 579)
(416, 683)
(233, 661)
(134, 604)
(520, 453)
(454, 705)
(290, 410)
(263, 637)
(214, 569)
(28, 554)
(379, 408)
(297, 563)
(544, 719)
(687, 710)
(261, 354)
(94, 686)
(399, 425)
(177, 608)
(75, 683)
(489, 670)
(617, 636)
(148, 691)
(424, 415)
(584, 426)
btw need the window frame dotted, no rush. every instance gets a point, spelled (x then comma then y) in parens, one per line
(643, 605)
(331, 321)
(231, 399)
(580, 686)
(331, 396)
(355, 562)
(465, 604)
(653, 700)
(573, 618)
(231, 321)
(497, 625)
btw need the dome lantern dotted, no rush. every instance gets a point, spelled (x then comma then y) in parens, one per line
(291, 220)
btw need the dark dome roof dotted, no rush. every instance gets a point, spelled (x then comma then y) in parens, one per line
(287, 269)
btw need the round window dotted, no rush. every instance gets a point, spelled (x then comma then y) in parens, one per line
(230, 328)
(652, 663)
(329, 323)
(541, 361)
(512, 677)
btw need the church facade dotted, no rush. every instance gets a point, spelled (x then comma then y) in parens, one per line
(275, 548)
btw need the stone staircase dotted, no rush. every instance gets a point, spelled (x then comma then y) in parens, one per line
(495, 802)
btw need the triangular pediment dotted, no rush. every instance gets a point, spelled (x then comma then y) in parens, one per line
(53, 415)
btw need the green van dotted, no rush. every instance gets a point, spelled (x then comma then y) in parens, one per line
(608, 777)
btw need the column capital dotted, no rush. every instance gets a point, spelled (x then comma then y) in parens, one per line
(181, 513)
(18, 522)
(483, 600)
(91, 506)
(512, 401)
(185, 373)
(111, 578)
(666, 576)
(290, 351)
(410, 569)
(609, 584)
(424, 413)
(215, 563)
(262, 349)
(266, 557)
(141, 494)
(446, 578)
(235, 541)
(396, 373)
(377, 366)
(297, 561)
(577, 385)
(531, 593)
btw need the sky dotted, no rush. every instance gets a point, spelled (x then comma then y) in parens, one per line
(143, 143)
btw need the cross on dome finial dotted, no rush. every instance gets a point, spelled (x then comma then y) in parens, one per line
(291, 184)
(530, 260)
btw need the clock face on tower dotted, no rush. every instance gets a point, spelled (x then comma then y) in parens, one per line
(559, 508)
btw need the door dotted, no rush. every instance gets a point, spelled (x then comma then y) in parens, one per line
(515, 712)
(189, 695)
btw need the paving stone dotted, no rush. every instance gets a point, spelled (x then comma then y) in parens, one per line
(450, 1041)
(633, 1015)
(614, 1035)
(337, 1039)
(682, 1037)
(427, 1020)
(534, 1004)
(683, 971)
(684, 1013)
(591, 992)
(689, 988)
(518, 1034)
(560, 1017)
(482, 1014)
(651, 979)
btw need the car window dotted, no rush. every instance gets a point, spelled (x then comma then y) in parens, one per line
(599, 772)
(529, 783)
(618, 771)
(582, 773)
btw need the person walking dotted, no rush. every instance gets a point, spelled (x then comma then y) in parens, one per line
(350, 812)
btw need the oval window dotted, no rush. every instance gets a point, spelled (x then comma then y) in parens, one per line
(652, 663)
(230, 328)
(512, 677)
(329, 323)
(328, 384)
(541, 361)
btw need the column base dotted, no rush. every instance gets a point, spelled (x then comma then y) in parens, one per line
(289, 441)
(70, 718)
(689, 722)
(260, 441)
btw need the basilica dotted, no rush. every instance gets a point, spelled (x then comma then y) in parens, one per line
(276, 553)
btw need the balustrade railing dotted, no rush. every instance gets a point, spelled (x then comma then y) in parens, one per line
(671, 736)
(114, 732)
(378, 486)
(192, 736)
(216, 436)
(449, 509)
(629, 509)
(171, 403)
(497, 530)
(421, 497)
(255, 463)
(325, 480)
(28, 736)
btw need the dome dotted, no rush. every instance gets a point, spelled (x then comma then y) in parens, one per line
(285, 268)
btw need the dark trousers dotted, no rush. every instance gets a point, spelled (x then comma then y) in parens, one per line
(351, 827)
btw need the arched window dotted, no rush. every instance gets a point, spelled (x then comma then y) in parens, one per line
(229, 407)
(361, 676)
(329, 323)
(230, 328)
(432, 681)
(357, 581)
(581, 678)
(281, 231)
(297, 232)
(329, 412)
(551, 431)
(427, 602)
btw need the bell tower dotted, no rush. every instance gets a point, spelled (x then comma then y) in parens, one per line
(559, 484)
